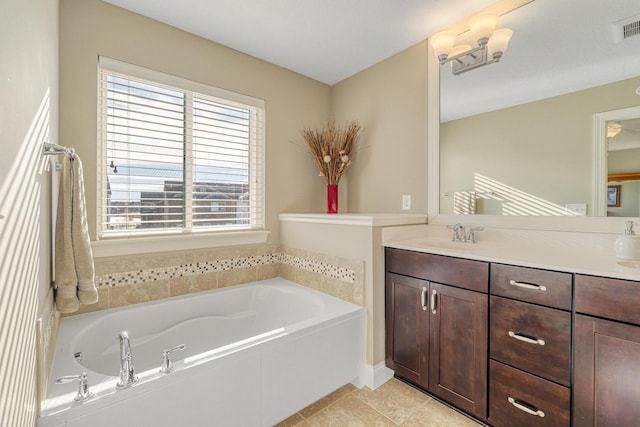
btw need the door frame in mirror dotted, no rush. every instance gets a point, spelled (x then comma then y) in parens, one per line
(600, 153)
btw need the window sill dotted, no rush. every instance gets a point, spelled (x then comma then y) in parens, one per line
(145, 245)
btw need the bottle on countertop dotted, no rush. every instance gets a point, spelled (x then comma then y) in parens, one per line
(627, 246)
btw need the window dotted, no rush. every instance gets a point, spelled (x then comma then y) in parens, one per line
(176, 156)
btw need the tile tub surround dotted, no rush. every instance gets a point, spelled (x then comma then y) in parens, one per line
(47, 325)
(392, 404)
(130, 280)
(339, 277)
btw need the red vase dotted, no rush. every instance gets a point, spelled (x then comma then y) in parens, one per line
(332, 198)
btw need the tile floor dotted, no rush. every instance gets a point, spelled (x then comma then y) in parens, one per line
(392, 404)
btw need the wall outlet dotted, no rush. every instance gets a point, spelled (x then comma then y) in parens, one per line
(406, 202)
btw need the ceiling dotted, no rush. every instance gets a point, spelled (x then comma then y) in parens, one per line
(327, 40)
(558, 46)
(629, 136)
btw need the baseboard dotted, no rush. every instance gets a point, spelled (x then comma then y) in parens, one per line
(375, 376)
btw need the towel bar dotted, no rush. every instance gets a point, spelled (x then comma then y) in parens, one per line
(51, 149)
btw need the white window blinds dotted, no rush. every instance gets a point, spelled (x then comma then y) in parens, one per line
(175, 159)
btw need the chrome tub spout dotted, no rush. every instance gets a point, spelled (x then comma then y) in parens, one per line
(128, 375)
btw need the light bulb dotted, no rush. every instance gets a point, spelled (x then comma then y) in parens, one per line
(442, 43)
(482, 27)
(498, 42)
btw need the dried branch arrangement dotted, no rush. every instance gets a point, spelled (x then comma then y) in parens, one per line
(331, 147)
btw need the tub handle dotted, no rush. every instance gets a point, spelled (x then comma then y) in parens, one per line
(167, 366)
(83, 385)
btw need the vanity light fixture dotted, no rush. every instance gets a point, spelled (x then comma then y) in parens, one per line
(492, 43)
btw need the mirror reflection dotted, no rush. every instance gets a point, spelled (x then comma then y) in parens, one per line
(623, 168)
(517, 136)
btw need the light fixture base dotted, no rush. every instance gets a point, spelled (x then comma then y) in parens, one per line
(469, 62)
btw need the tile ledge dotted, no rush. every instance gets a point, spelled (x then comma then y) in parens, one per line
(175, 242)
(356, 219)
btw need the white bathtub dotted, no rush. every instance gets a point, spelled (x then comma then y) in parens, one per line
(255, 354)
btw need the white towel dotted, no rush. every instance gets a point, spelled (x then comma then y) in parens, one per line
(464, 202)
(74, 270)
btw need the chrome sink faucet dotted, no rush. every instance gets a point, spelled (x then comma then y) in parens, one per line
(464, 234)
(128, 375)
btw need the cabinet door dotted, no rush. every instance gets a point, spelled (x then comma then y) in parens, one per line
(407, 328)
(606, 365)
(458, 347)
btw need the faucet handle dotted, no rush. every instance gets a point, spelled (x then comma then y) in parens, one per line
(83, 385)
(471, 237)
(458, 232)
(629, 227)
(166, 366)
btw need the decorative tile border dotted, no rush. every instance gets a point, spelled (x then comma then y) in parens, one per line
(154, 274)
(324, 269)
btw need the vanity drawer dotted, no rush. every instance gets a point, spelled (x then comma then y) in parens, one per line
(462, 273)
(551, 288)
(509, 387)
(610, 298)
(533, 338)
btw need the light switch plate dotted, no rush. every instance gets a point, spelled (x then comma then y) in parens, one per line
(577, 208)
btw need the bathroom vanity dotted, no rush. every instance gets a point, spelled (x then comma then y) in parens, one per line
(511, 341)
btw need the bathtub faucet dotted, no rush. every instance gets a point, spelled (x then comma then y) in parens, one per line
(128, 375)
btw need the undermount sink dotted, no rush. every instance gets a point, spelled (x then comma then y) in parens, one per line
(629, 264)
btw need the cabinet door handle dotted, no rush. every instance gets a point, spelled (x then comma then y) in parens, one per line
(433, 301)
(423, 298)
(526, 339)
(526, 408)
(530, 286)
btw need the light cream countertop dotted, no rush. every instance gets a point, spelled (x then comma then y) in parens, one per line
(584, 253)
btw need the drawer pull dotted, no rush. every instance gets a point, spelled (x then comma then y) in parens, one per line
(525, 408)
(530, 286)
(433, 301)
(423, 298)
(526, 339)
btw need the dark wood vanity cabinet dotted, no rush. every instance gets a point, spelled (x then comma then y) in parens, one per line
(562, 349)
(436, 325)
(607, 352)
(530, 342)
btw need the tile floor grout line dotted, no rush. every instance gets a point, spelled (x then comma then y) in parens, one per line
(378, 412)
(326, 407)
(429, 399)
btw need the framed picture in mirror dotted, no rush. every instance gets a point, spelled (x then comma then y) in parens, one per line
(613, 196)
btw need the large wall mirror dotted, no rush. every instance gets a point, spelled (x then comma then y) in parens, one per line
(553, 128)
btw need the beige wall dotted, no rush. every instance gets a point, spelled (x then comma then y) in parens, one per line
(542, 149)
(28, 116)
(390, 101)
(91, 27)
